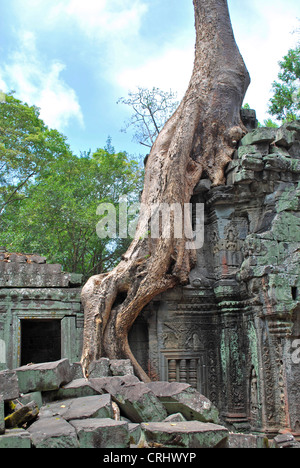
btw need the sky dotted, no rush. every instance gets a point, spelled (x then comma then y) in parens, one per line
(74, 59)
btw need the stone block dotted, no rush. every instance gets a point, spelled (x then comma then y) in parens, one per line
(248, 117)
(25, 399)
(15, 439)
(284, 137)
(97, 369)
(75, 279)
(100, 368)
(112, 384)
(285, 441)
(276, 162)
(260, 135)
(204, 185)
(184, 399)
(102, 433)
(37, 259)
(2, 425)
(121, 367)
(247, 150)
(243, 176)
(99, 406)
(53, 433)
(252, 162)
(294, 125)
(173, 418)
(77, 371)
(136, 401)
(247, 441)
(44, 377)
(192, 434)
(294, 150)
(76, 389)
(135, 432)
(23, 415)
(9, 386)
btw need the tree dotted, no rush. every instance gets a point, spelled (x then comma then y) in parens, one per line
(285, 103)
(26, 147)
(152, 108)
(199, 139)
(57, 217)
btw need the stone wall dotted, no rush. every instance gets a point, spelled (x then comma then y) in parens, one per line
(34, 293)
(233, 331)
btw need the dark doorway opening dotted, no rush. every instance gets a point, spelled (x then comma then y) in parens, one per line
(40, 341)
(138, 338)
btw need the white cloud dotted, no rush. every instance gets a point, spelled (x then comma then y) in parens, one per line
(104, 18)
(263, 33)
(271, 37)
(40, 83)
(98, 19)
(172, 69)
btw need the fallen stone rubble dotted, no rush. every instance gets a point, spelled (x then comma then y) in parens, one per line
(51, 405)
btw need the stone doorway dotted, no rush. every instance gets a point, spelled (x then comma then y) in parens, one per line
(40, 341)
(139, 342)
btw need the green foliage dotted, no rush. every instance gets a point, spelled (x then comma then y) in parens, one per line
(58, 217)
(285, 103)
(50, 196)
(26, 147)
(268, 123)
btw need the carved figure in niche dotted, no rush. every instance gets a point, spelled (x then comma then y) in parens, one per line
(232, 246)
(231, 239)
(253, 396)
(193, 342)
(174, 335)
(196, 341)
(169, 339)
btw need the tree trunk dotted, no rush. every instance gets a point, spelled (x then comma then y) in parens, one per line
(200, 136)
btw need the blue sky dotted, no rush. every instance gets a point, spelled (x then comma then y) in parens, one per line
(75, 58)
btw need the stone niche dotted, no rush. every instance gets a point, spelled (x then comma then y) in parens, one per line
(41, 318)
(234, 331)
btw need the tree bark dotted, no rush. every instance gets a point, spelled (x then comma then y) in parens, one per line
(200, 137)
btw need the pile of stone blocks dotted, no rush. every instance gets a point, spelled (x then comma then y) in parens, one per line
(51, 405)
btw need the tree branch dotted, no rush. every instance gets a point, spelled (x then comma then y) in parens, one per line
(15, 191)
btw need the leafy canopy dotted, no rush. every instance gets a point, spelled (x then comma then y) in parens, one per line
(49, 196)
(285, 103)
(27, 146)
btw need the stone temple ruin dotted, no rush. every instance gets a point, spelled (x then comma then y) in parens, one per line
(233, 333)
